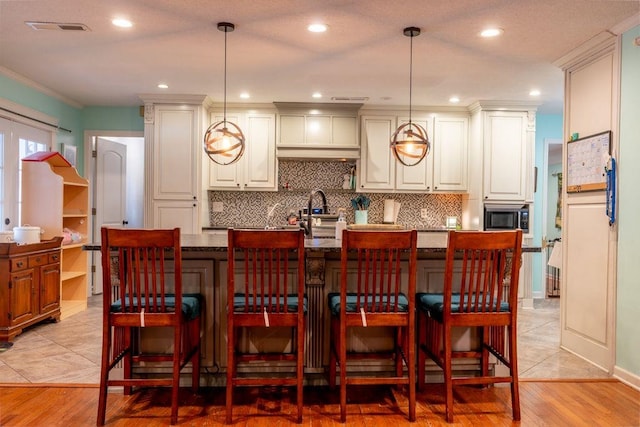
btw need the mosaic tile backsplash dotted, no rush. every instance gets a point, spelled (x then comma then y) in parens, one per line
(296, 180)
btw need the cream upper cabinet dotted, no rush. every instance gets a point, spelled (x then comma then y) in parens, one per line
(173, 132)
(257, 168)
(420, 176)
(506, 154)
(449, 152)
(317, 131)
(443, 170)
(176, 145)
(377, 164)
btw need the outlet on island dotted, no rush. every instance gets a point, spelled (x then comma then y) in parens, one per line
(424, 213)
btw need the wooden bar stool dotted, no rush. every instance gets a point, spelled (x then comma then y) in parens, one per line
(480, 296)
(265, 288)
(144, 291)
(371, 296)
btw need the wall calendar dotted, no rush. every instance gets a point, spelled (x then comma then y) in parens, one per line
(587, 158)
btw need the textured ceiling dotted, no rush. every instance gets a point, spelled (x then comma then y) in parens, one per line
(274, 58)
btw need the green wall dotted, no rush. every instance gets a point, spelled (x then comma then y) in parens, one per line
(548, 126)
(628, 288)
(77, 120)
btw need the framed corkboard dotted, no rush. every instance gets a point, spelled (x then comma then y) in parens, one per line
(587, 158)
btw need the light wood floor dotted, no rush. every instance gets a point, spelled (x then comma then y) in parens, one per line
(543, 403)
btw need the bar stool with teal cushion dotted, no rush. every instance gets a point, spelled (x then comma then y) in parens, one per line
(265, 291)
(142, 279)
(480, 291)
(377, 289)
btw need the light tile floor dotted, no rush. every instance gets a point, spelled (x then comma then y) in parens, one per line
(69, 351)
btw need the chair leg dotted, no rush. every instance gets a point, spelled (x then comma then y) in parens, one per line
(410, 350)
(300, 371)
(230, 372)
(175, 382)
(399, 337)
(513, 366)
(484, 361)
(104, 376)
(448, 381)
(343, 372)
(422, 359)
(127, 360)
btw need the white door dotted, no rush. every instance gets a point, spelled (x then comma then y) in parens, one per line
(16, 141)
(110, 195)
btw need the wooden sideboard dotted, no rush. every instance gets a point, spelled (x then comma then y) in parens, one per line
(29, 285)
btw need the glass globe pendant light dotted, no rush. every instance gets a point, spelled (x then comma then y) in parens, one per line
(224, 141)
(410, 143)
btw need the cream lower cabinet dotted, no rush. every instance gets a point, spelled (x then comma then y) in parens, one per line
(444, 169)
(257, 168)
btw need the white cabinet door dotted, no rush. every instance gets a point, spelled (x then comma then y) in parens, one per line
(175, 152)
(260, 152)
(505, 155)
(377, 164)
(420, 176)
(449, 152)
(170, 214)
(225, 176)
(256, 169)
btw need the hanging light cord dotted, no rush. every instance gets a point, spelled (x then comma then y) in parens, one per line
(410, 76)
(224, 113)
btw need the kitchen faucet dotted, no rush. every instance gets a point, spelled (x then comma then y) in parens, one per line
(308, 225)
(270, 215)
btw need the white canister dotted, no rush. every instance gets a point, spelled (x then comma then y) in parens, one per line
(6, 236)
(26, 235)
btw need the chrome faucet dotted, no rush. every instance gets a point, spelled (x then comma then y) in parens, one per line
(270, 215)
(308, 224)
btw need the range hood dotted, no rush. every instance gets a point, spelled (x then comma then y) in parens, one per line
(317, 131)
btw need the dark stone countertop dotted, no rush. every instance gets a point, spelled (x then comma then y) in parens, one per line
(427, 242)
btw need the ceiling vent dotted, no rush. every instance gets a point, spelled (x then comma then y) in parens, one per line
(350, 98)
(57, 26)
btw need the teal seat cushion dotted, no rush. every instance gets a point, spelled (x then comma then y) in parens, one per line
(191, 304)
(240, 303)
(334, 302)
(433, 304)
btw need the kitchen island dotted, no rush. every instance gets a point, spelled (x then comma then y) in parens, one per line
(205, 271)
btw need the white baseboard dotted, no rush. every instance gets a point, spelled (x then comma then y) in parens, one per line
(627, 377)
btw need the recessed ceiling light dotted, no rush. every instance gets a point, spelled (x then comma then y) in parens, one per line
(163, 86)
(534, 92)
(245, 95)
(491, 32)
(454, 100)
(317, 95)
(122, 23)
(317, 28)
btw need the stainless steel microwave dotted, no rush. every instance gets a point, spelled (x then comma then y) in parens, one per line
(506, 217)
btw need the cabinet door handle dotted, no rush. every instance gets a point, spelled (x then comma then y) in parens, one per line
(19, 264)
(38, 259)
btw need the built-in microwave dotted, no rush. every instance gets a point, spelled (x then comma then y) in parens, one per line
(506, 217)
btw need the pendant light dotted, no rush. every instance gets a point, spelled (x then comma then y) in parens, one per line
(410, 143)
(224, 141)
